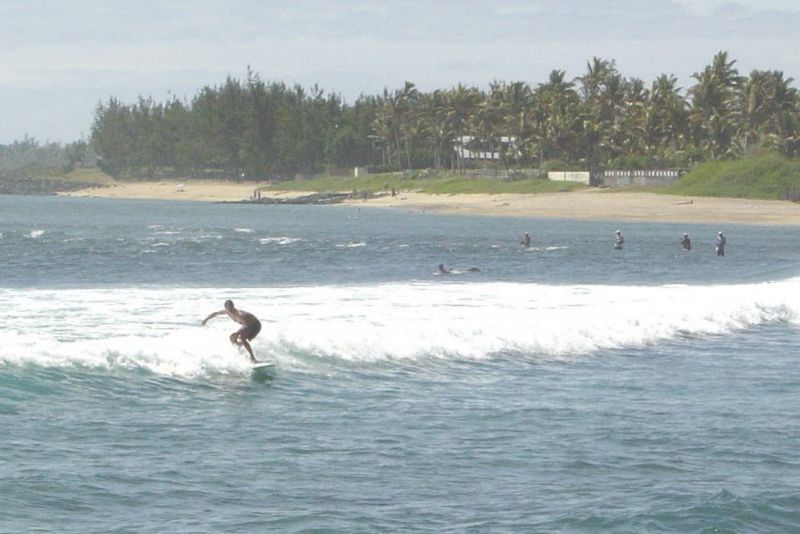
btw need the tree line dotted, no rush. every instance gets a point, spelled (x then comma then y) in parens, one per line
(598, 120)
(28, 152)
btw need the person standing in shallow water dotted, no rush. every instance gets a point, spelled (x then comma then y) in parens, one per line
(686, 243)
(525, 241)
(251, 326)
(619, 239)
(720, 244)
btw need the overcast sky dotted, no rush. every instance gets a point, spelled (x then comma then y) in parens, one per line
(58, 58)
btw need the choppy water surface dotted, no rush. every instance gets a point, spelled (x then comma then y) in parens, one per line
(564, 387)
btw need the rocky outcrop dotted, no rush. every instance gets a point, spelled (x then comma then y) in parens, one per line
(313, 198)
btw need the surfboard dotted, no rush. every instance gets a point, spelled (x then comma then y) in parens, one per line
(264, 369)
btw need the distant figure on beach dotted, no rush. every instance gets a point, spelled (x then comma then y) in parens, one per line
(686, 243)
(720, 244)
(443, 269)
(619, 239)
(526, 240)
(251, 326)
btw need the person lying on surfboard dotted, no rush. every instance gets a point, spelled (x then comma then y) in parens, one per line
(251, 326)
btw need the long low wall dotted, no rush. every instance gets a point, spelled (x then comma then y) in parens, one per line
(642, 178)
(654, 178)
(570, 176)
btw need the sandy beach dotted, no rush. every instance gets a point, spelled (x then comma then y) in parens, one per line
(197, 190)
(586, 204)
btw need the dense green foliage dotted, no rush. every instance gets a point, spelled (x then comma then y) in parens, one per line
(29, 158)
(241, 129)
(262, 130)
(767, 176)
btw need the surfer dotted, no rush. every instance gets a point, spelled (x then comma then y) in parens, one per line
(444, 270)
(251, 326)
(720, 244)
(526, 240)
(618, 240)
(686, 243)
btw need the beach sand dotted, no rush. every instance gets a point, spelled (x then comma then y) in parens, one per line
(198, 190)
(586, 204)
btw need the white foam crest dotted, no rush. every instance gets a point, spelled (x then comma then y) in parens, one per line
(205, 236)
(35, 234)
(280, 240)
(158, 329)
(479, 320)
(178, 354)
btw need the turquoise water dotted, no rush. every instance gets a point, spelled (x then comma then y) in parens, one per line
(566, 387)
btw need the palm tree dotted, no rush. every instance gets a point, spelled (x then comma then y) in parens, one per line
(431, 119)
(386, 128)
(557, 117)
(597, 73)
(667, 117)
(487, 120)
(516, 105)
(765, 97)
(460, 105)
(627, 134)
(712, 100)
(603, 98)
(404, 101)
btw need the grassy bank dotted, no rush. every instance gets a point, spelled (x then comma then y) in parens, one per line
(768, 177)
(436, 185)
(37, 180)
(94, 177)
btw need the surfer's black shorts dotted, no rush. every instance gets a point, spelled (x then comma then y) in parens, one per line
(250, 331)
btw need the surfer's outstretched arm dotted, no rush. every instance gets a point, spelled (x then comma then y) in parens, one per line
(212, 315)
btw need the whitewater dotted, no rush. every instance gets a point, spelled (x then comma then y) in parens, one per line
(566, 386)
(159, 329)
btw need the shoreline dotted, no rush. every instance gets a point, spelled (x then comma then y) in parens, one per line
(588, 204)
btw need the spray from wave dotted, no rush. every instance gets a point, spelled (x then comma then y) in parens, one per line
(159, 329)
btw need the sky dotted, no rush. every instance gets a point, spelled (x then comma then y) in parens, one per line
(59, 58)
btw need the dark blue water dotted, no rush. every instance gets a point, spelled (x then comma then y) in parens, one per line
(565, 387)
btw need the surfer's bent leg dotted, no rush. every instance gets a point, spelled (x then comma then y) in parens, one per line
(246, 345)
(246, 334)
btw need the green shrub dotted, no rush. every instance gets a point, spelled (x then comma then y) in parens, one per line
(766, 176)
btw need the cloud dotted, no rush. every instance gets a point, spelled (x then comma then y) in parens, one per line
(126, 49)
(742, 7)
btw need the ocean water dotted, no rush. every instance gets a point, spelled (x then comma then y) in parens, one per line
(566, 387)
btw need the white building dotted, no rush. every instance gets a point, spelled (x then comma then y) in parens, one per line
(462, 143)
